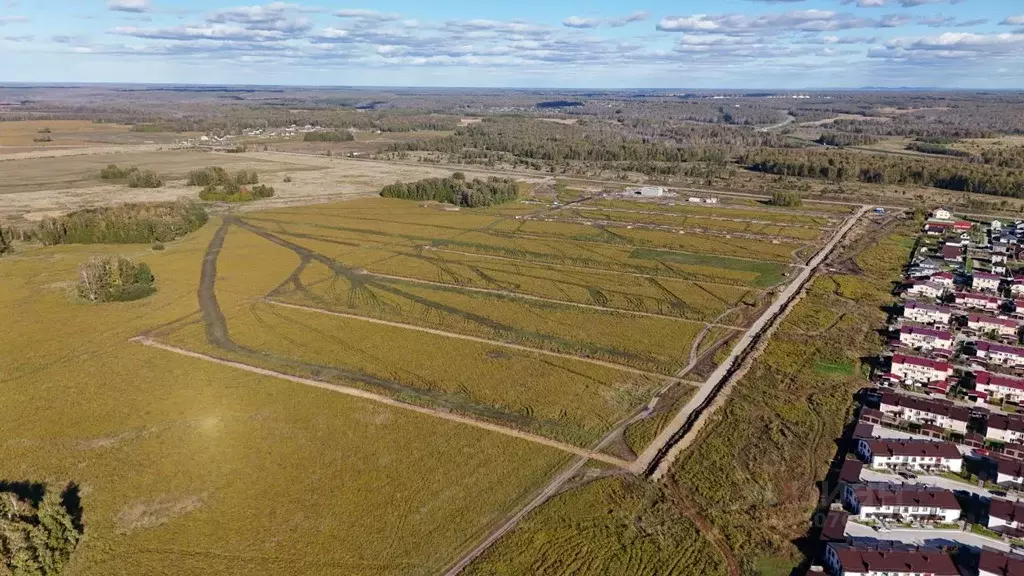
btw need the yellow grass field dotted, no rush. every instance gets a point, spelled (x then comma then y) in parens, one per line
(191, 468)
(188, 466)
(62, 132)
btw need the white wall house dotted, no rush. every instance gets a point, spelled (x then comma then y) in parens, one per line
(941, 413)
(926, 338)
(1005, 428)
(873, 560)
(983, 324)
(985, 281)
(919, 371)
(926, 289)
(914, 455)
(978, 300)
(1017, 288)
(1000, 354)
(944, 279)
(1000, 387)
(926, 313)
(901, 503)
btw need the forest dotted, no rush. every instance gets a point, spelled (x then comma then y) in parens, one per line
(457, 190)
(840, 166)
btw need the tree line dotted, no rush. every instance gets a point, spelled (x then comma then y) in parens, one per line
(840, 166)
(123, 224)
(457, 190)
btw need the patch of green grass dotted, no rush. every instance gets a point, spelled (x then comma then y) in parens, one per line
(835, 369)
(768, 273)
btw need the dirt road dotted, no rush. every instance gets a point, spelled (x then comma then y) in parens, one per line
(659, 455)
(365, 395)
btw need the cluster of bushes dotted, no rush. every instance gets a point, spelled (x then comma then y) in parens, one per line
(221, 186)
(343, 136)
(456, 190)
(785, 198)
(37, 534)
(114, 279)
(217, 176)
(136, 178)
(124, 224)
(6, 240)
(233, 192)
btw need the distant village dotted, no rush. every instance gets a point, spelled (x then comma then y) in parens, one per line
(930, 474)
(208, 140)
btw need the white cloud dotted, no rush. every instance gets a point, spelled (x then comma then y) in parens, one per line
(594, 22)
(865, 3)
(361, 14)
(130, 5)
(1013, 21)
(13, 20)
(776, 23)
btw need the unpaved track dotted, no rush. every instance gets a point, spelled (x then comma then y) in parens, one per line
(656, 460)
(590, 269)
(358, 393)
(511, 294)
(447, 334)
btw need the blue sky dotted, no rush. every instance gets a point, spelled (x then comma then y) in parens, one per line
(525, 43)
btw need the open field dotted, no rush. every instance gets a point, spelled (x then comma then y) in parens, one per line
(62, 132)
(41, 174)
(610, 526)
(167, 451)
(686, 222)
(68, 179)
(746, 487)
(732, 209)
(551, 343)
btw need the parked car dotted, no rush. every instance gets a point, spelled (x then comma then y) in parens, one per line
(907, 475)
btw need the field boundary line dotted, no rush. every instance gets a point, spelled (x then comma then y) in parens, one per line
(584, 206)
(366, 395)
(659, 455)
(543, 299)
(500, 234)
(727, 234)
(456, 335)
(589, 268)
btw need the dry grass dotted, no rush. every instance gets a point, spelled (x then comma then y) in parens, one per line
(62, 132)
(291, 479)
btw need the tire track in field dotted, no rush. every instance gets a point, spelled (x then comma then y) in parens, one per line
(448, 334)
(359, 393)
(543, 299)
(218, 335)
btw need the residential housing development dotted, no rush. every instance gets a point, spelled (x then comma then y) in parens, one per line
(944, 414)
